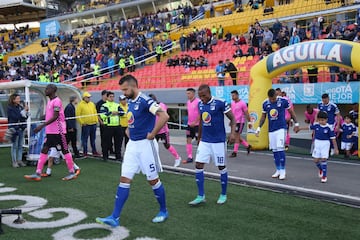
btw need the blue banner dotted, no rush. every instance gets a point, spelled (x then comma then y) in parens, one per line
(307, 93)
(49, 28)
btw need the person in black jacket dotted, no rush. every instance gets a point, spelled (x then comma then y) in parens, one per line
(232, 70)
(17, 114)
(71, 130)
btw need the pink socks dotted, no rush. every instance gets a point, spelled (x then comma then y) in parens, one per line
(173, 151)
(236, 147)
(69, 162)
(41, 163)
(189, 150)
(245, 143)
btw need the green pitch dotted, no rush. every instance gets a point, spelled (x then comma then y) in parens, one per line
(248, 214)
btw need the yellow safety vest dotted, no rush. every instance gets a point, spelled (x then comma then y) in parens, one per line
(168, 26)
(131, 60)
(56, 77)
(47, 77)
(42, 78)
(123, 118)
(96, 70)
(107, 117)
(122, 63)
(158, 50)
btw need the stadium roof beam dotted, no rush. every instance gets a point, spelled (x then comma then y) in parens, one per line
(20, 12)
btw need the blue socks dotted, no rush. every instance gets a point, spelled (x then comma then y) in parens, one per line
(224, 180)
(318, 165)
(277, 160)
(324, 168)
(199, 175)
(122, 195)
(159, 192)
(282, 159)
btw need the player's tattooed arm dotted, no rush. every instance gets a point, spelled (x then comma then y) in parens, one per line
(262, 119)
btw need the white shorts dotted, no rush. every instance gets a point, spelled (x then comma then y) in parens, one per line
(346, 145)
(53, 152)
(321, 149)
(142, 155)
(215, 151)
(277, 140)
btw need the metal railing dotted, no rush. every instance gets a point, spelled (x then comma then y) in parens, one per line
(182, 77)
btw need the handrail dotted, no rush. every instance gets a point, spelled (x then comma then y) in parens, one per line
(151, 55)
(195, 77)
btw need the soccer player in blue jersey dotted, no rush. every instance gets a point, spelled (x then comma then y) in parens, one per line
(275, 108)
(348, 130)
(212, 141)
(354, 114)
(323, 134)
(142, 150)
(333, 112)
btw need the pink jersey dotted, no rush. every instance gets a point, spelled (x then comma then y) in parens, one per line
(291, 106)
(239, 110)
(193, 111)
(311, 117)
(59, 125)
(165, 128)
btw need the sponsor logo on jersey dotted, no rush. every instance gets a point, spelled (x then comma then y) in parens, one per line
(130, 118)
(206, 117)
(274, 113)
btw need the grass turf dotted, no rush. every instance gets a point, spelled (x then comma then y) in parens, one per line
(248, 214)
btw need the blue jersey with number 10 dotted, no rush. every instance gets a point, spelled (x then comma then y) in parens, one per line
(276, 113)
(141, 116)
(212, 120)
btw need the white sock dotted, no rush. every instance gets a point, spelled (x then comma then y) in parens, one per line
(76, 167)
(48, 171)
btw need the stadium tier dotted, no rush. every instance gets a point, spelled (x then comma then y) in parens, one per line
(160, 75)
(239, 22)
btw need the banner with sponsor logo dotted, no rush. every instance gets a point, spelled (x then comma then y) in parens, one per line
(307, 93)
(49, 28)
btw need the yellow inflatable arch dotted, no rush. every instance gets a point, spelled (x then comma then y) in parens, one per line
(324, 52)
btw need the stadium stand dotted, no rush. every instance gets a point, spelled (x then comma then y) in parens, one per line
(158, 75)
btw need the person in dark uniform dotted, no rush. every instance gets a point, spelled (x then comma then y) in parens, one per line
(102, 126)
(71, 130)
(110, 113)
(232, 70)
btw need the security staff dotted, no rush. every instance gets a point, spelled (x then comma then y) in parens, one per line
(159, 52)
(122, 65)
(110, 113)
(131, 67)
(42, 77)
(96, 72)
(56, 77)
(47, 77)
